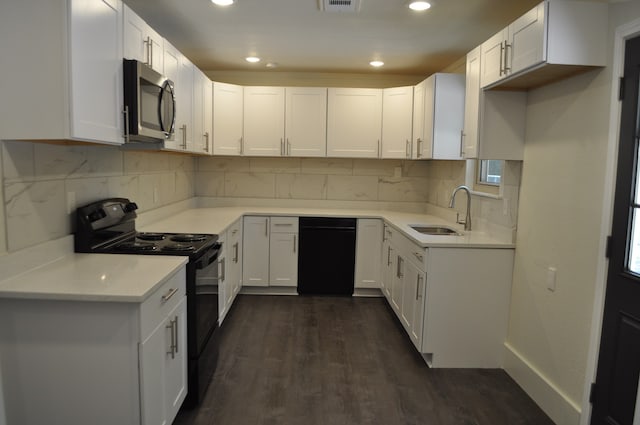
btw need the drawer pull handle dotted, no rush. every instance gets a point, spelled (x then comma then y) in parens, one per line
(283, 224)
(166, 297)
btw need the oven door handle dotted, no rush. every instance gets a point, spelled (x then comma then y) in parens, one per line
(206, 260)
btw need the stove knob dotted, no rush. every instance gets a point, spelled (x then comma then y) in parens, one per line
(131, 206)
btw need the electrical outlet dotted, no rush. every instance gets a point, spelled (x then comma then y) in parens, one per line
(551, 279)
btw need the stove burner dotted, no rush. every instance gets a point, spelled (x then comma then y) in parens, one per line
(178, 247)
(136, 246)
(188, 238)
(151, 236)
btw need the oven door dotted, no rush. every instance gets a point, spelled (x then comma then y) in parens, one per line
(204, 299)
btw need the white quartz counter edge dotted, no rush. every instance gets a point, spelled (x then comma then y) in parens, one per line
(94, 277)
(216, 220)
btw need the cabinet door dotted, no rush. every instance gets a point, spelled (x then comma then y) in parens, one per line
(184, 104)
(227, 119)
(397, 284)
(472, 104)
(283, 264)
(255, 251)
(413, 303)
(527, 42)
(235, 256)
(264, 121)
(176, 363)
(418, 121)
(492, 61)
(397, 111)
(171, 69)
(448, 116)
(96, 70)
(306, 121)
(368, 253)
(201, 111)
(141, 42)
(354, 123)
(428, 112)
(208, 114)
(163, 368)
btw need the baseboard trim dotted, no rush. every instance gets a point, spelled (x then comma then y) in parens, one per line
(560, 408)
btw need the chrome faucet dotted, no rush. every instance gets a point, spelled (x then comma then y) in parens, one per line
(452, 203)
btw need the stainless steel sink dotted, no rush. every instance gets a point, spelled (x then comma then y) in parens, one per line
(435, 230)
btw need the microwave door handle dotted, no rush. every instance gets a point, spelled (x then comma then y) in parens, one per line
(166, 89)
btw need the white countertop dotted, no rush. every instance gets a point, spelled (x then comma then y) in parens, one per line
(216, 220)
(94, 277)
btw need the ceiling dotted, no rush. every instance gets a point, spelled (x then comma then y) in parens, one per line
(299, 37)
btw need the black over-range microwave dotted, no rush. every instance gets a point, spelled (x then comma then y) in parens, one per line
(149, 103)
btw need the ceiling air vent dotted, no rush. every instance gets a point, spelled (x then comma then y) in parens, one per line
(339, 5)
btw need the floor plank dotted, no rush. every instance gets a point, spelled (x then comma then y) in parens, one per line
(339, 360)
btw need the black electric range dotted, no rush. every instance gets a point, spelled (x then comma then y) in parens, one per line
(108, 227)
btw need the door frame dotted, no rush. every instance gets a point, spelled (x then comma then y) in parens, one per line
(622, 34)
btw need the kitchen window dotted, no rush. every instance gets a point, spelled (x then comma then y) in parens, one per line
(489, 172)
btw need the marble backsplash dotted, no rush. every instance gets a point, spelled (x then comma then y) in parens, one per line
(44, 183)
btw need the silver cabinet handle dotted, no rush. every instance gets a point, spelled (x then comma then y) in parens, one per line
(166, 297)
(147, 43)
(288, 151)
(206, 138)
(126, 123)
(399, 273)
(241, 146)
(507, 68)
(266, 227)
(281, 147)
(295, 240)
(173, 328)
(282, 224)
(461, 143)
(379, 148)
(235, 252)
(502, 58)
(388, 256)
(184, 135)
(223, 273)
(417, 286)
(419, 148)
(177, 338)
(407, 149)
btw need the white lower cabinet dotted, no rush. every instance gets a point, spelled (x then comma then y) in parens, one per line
(270, 255)
(234, 268)
(368, 253)
(452, 305)
(118, 362)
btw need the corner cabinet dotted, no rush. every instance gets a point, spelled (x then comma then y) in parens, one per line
(80, 42)
(438, 117)
(227, 118)
(553, 40)
(120, 362)
(354, 123)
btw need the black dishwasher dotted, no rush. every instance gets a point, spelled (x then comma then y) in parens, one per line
(327, 256)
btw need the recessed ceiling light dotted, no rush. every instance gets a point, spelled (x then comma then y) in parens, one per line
(272, 65)
(376, 64)
(252, 59)
(223, 2)
(419, 5)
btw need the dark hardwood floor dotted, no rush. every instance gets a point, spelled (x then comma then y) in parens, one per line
(328, 360)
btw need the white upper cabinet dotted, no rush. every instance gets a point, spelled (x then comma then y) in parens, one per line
(397, 118)
(69, 85)
(494, 121)
(553, 40)
(184, 134)
(227, 119)
(141, 42)
(305, 122)
(354, 122)
(264, 121)
(171, 59)
(418, 147)
(440, 125)
(202, 115)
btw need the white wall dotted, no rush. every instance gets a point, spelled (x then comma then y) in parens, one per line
(561, 204)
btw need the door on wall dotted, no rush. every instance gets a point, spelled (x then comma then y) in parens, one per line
(615, 392)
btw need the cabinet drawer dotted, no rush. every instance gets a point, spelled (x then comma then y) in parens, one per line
(284, 224)
(159, 304)
(411, 251)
